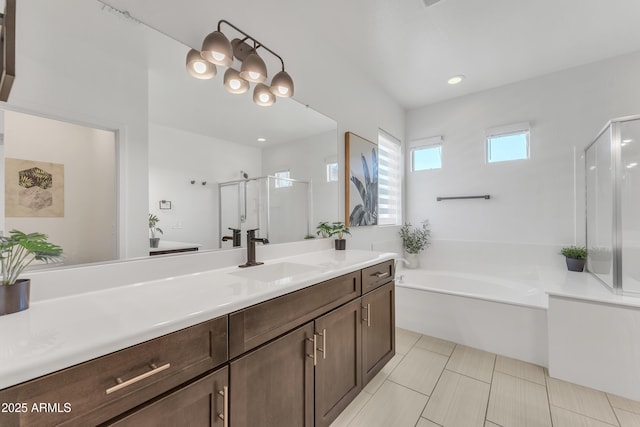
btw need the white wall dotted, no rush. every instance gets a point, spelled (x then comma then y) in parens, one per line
(538, 202)
(306, 160)
(87, 231)
(175, 158)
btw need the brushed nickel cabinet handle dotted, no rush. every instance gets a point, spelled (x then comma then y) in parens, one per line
(324, 344)
(315, 348)
(122, 384)
(224, 416)
(369, 315)
(381, 275)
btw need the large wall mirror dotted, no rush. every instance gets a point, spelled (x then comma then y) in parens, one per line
(201, 160)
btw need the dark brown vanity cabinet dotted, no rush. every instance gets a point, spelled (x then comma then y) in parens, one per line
(378, 330)
(106, 387)
(296, 360)
(204, 402)
(338, 361)
(273, 385)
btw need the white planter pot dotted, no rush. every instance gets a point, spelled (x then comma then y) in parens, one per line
(414, 260)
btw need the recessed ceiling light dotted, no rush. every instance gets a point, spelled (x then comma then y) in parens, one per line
(626, 141)
(262, 139)
(455, 80)
(632, 165)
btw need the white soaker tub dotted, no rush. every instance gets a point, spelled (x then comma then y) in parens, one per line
(503, 316)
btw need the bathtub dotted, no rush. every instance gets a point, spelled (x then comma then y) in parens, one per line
(501, 315)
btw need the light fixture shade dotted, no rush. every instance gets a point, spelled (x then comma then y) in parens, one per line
(216, 49)
(263, 96)
(253, 69)
(233, 83)
(198, 67)
(282, 85)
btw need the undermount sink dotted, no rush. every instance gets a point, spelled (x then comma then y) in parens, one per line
(276, 272)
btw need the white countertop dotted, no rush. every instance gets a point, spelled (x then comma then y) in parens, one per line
(57, 333)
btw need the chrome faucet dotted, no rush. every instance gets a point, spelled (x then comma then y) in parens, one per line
(251, 248)
(235, 237)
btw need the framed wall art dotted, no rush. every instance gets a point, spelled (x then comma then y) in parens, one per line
(361, 160)
(33, 189)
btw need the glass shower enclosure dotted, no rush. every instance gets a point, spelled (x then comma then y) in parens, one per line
(613, 205)
(279, 207)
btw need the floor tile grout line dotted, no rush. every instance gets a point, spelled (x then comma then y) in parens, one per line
(467, 376)
(486, 410)
(360, 410)
(587, 416)
(408, 388)
(520, 378)
(546, 388)
(615, 414)
(436, 384)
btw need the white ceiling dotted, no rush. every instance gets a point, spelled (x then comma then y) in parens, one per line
(410, 50)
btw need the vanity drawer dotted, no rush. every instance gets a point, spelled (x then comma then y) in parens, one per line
(377, 275)
(102, 388)
(262, 322)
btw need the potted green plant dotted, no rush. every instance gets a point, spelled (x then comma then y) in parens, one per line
(576, 256)
(415, 241)
(326, 229)
(17, 251)
(153, 228)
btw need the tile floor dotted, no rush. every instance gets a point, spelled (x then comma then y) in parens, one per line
(431, 382)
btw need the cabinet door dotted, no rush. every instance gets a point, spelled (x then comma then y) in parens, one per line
(378, 330)
(199, 404)
(273, 385)
(338, 361)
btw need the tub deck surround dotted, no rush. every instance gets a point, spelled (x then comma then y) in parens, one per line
(56, 333)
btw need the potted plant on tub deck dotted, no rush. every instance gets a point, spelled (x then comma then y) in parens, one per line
(415, 241)
(17, 251)
(153, 229)
(575, 257)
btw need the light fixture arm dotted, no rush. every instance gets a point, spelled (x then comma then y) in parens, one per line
(256, 43)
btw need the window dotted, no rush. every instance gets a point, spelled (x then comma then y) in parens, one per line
(425, 158)
(508, 143)
(281, 183)
(332, 172)
(389, 180)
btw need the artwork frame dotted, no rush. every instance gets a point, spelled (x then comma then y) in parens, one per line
(33, 189)
(361, 181)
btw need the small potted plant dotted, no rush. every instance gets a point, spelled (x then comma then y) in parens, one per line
(338, 229)
(575, 256)
(323, 229)
(415, 241)
(153, 228)
(17, 251)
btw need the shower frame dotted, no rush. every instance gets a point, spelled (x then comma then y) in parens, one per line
(242, 204)
(613, 126)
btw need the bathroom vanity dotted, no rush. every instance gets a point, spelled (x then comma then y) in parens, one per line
(296, 356)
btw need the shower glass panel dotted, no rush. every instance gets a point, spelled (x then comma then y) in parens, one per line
(279, 207)
(613, 206)
(600, 208)
(630, 205)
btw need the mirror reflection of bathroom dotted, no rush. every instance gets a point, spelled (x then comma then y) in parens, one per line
(279, 207)
(59, 178)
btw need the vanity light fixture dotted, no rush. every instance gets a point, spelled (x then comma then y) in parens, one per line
(218, 50)
(198, 67)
